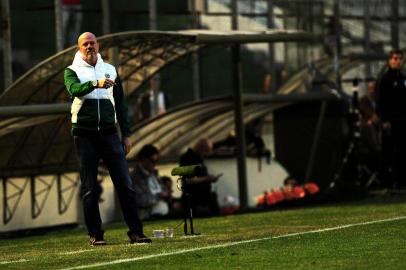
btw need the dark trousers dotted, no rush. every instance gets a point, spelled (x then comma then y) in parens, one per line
(399, 152)
(108, 148)
(386, 158)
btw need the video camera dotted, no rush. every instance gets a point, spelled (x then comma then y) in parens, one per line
(187, 171)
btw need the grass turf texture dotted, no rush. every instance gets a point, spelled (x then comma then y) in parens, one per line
(368, 246)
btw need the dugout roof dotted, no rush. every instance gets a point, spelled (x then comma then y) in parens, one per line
(34, 111)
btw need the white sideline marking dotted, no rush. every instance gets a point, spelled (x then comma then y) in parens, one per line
(232, 244)
(18, 261)
(76, 251)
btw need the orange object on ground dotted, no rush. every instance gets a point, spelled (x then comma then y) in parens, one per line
(269, 198)
(298, 192)
(288, 193)
(260, 200)
(278, 195)
(311, 188)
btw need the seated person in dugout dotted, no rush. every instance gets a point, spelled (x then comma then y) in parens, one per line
(152, 195)
(198, 191)
(175, 204)
(255, 144)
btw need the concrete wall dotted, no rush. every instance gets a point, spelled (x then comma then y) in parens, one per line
(270, 176)
(19, 194)
(18, 215)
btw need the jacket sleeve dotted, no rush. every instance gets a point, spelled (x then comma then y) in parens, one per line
(73, 85)
(121, 108)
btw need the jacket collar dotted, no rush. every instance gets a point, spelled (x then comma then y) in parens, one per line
(78, 60)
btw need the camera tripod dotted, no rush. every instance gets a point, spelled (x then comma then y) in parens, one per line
(352, 161)
(362, 170)
(188, 209)
(186, 173)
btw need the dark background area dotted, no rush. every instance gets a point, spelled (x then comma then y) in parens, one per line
(33, 40)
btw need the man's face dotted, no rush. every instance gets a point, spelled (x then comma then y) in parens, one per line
(150, 163)
(88, 47)
(371, 88)
(396, 61)
(208, 148)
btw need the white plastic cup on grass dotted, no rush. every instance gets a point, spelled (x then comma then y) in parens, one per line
(158, 233)
(169, 232)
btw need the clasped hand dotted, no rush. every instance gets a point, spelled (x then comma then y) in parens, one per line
(105, 83)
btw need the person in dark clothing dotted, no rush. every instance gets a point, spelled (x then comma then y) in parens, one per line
(203, 200)
(367, 106)
(391, 110)
(370, 124)
(369, 148)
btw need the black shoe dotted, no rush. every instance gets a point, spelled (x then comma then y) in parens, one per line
(97, 240)
(138, 238)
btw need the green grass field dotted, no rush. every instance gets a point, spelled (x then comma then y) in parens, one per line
(360, 235)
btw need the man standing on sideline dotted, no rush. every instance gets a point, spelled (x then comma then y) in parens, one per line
(391, 110)
(98, 104)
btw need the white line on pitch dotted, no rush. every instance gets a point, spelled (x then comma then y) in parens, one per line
(76, 251)
(18, 261)
(232, 244)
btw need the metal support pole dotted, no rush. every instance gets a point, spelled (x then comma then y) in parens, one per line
(286, 58)
(58, 26)
(239, 124)
(61, 204)
(106, 16)
(156, 80)
(337, 25)
(271, 47)
(153, 25)
(238, 111)
(310, 28)
(195, 55)
(34, 110)
(337, 51)
(196, 76)
(395, 24)
(234, 14)
(115, 58)
(5, 40)
(300, 24)
(33, 197)
(113, 52)
(367, 36)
